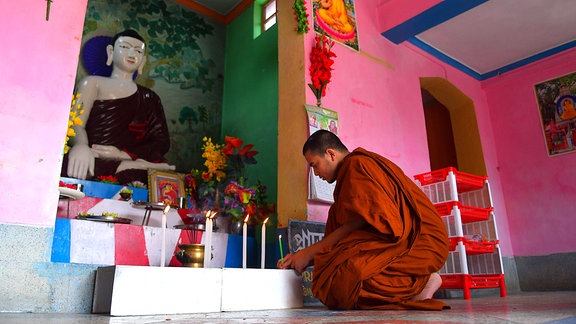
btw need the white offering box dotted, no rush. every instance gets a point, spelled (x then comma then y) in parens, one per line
(140, 290)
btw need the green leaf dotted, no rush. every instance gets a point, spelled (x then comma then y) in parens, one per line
(314, 90)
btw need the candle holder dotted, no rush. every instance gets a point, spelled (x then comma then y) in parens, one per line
(191, 255)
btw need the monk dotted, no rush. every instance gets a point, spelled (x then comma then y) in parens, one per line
(123, 131)
(384, 240)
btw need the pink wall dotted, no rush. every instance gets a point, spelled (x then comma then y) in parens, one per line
(397, 11)
(38, 64)
(540, 191)
(377, 95)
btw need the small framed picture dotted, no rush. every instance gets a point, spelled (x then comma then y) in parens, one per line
(165, 185)
(557, 107)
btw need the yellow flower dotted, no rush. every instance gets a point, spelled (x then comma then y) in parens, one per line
(73, 120)
(215, 160)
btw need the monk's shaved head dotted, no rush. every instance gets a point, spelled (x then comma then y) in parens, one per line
(322, 140)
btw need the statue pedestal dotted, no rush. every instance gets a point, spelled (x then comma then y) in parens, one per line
(135, 290)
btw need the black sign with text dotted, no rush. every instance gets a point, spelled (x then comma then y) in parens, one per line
(302, 234)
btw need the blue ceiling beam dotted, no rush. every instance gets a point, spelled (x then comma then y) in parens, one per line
(434, 16)
(529, 60)
(445, 58)
(448, 60)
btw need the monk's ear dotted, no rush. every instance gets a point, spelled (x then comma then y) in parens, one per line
(109, 52)
(331, 154)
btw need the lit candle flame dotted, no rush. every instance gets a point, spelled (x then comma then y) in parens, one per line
(266, 220)
(210, 214)
(246, 219)
(166, 208)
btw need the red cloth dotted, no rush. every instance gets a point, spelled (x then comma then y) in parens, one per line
(383, 265)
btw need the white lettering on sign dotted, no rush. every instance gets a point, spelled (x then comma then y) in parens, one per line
(306, 239)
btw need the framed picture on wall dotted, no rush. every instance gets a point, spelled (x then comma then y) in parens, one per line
(336, 19)
(165, 185)
(557, 108)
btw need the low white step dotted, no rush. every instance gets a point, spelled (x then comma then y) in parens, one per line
(137, 290)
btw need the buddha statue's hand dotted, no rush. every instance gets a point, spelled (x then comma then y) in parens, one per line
(80, 162)
(109, 152)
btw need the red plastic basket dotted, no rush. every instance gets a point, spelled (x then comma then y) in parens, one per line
(467, 282)
(486, 281)
(464, 181)
(473, 247)
(452, 281)
(467, 213)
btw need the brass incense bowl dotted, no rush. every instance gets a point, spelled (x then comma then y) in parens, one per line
(191, 255)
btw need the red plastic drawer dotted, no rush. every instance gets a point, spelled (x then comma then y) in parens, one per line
(464, 181)
(467, 213)
(486, 281)
(467, 282)
(473, 247)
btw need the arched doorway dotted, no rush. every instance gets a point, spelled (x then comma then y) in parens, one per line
(452, 128)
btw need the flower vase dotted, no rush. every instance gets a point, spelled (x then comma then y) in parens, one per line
(236, 226)
(222, 223)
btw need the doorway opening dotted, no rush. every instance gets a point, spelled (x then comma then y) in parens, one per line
(451, 127)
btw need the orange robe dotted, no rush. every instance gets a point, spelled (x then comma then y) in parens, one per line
(390, 260)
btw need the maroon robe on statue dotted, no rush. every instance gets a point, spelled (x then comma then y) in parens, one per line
(136, 125)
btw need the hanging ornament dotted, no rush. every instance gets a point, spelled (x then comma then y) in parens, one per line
(301, 16)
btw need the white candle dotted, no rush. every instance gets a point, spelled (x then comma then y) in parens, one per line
(244, 238)
(208, 238)
(263, 252)
(163, 236)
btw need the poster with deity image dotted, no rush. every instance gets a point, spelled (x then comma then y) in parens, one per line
(557, 108)
(326, 119)
(336, 19)
(321, 118)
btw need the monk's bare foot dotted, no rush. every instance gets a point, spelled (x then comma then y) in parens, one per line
(431, 287)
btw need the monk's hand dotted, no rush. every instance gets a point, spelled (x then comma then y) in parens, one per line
(297, 261)
(109, 152)
(285, 263)
(301, 259)
(80, 162)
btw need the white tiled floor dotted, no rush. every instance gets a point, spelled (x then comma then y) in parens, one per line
(534, 307)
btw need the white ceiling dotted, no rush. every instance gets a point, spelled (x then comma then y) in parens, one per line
(499, 35)
(485, 38)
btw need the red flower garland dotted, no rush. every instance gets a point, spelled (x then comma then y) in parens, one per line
(321, 66)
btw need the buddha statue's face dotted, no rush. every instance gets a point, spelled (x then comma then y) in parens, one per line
(128, 53)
